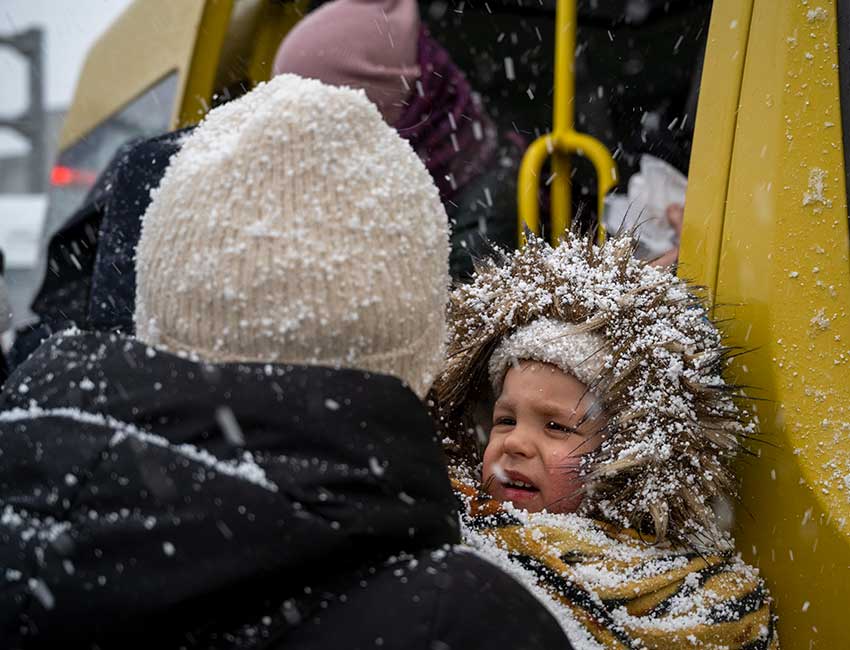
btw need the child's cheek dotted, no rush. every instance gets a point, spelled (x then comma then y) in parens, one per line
(564, 483)
(560, 458)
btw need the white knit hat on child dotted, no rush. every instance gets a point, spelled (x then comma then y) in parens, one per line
(564, 345)
(295, 226)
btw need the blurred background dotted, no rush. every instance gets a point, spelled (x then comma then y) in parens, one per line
(42, 46)
(638, 65)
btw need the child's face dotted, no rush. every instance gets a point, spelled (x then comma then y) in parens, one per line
(538, 438)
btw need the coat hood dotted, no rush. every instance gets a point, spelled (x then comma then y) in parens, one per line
(144, 492)
(674, 425)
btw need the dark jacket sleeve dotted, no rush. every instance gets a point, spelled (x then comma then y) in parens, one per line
(483, 607)
(442, 599)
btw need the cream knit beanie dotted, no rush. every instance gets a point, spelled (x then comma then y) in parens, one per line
(296, 226)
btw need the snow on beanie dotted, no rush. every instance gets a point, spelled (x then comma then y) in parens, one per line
(295, 226)
(366, 44)
(564, 345)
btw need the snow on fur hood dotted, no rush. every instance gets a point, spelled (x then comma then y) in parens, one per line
(675, 426)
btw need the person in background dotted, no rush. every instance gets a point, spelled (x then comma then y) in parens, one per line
(592, 438)
(90, 281)
(675, 215)
(257, 467)
(382, 47)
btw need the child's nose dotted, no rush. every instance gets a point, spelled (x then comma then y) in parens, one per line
(519, 442)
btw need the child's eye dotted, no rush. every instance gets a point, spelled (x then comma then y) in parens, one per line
(556, 426)
(504, 420)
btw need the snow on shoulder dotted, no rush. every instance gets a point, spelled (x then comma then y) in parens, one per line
(245, 469)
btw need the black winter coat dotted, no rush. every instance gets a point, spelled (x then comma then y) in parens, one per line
(151, 501)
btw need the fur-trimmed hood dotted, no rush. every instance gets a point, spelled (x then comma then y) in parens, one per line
(674, 427)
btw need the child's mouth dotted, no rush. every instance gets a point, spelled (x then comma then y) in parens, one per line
(519, 492)
(518, 488)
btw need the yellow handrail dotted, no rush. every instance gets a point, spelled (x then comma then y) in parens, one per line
(563, 141)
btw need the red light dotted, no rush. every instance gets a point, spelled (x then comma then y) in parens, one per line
(61, 175)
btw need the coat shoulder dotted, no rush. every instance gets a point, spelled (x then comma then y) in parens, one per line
(439, 599)
(485, 607)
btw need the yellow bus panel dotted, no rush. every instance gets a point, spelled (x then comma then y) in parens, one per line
(780, 271)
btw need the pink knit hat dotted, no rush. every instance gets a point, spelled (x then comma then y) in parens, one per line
(368, 44)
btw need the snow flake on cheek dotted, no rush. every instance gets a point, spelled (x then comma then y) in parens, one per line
(499, 472)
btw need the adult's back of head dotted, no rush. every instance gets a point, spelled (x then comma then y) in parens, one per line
(295, 226)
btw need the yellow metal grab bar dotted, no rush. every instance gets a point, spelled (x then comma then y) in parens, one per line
(563, 141)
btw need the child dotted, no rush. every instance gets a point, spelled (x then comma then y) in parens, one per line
(610, 447)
